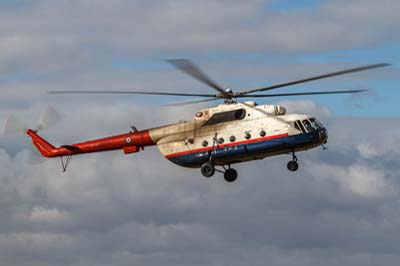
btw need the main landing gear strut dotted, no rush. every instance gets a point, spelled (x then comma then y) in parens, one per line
(208, 170)
(293, 165)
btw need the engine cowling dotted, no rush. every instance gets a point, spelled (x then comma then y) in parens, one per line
(273, 109)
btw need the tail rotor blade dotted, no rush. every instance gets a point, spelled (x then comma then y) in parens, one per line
(48, 118)
(13, 126)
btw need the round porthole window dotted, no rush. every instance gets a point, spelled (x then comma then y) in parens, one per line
(263, 133)
(199, 114)
(247, 135)
(232, 138)
(221, 140)
(204, 143)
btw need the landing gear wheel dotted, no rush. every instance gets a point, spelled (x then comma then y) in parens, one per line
(207, 170)
(230, 175)
(292, 166)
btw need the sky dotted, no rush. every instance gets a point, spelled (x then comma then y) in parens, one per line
(340, 208)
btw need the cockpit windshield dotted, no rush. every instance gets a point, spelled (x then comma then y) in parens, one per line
(315, 123)
(309, 125)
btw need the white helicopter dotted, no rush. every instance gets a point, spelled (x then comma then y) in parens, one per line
(229, 133)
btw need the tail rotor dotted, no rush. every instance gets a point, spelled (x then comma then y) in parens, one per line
(14, 126)
(47, 119)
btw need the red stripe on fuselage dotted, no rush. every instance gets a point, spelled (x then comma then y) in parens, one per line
(219, 146)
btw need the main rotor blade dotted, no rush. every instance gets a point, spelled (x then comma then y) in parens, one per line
(191, 102)
(194, 71)
(130, 92)
(301, 93)
(337, 73)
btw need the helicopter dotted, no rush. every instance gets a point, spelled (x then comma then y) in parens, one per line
(219, 136)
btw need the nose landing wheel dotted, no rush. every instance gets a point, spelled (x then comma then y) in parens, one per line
(293, 165)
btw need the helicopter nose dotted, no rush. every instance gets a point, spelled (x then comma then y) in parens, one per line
(323, 135)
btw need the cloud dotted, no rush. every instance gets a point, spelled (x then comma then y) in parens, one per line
(308, 107)
(338, 207)
(63, 34)
(43, 215)
(140, 209)
(359, 179)
(64, 45)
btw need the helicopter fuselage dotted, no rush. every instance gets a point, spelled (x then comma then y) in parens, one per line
(235, 133)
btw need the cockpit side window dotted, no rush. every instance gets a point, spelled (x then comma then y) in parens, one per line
(308, 126)
(296, 126)
(226, 117)
(301, 126)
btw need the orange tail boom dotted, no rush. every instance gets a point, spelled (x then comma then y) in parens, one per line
(129, 143)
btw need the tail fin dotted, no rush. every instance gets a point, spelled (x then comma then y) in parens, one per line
(45, 148)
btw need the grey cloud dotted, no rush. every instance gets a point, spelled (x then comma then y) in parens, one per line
(339, 208)
(82, 33)
(309, 107)
(237, 74)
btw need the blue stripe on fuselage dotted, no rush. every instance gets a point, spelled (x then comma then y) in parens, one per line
(231, 153)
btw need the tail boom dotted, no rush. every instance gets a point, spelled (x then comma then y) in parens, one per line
(129, 143)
